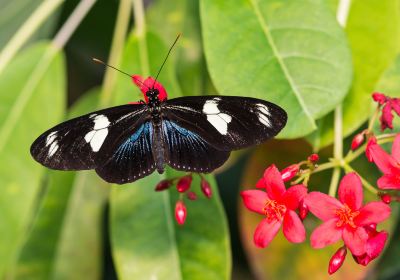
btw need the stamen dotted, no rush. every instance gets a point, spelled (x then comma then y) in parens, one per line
(274, 210)
(346, 216)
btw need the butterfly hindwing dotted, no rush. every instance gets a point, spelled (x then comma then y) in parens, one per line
(227, 122)
(132, 159)
(186, 150)
(87, 141)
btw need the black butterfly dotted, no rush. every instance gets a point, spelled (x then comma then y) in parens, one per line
(128, 142)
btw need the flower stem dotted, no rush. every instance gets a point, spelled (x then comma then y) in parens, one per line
(27, 30)
(72, 23)
(120, 30)
(140, 32)
(337, 149)
(365, 183)
(373, 118)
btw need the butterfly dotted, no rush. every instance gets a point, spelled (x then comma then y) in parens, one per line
(128, 142)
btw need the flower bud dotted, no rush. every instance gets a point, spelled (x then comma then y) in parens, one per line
(357, 141)
(163, 185)
(386, 198)
(184, 183)
(379, 97)
(313, 158)
(205, 188)
(371, 141)
(191, 195)
(180, 212)
(289, 172)
(303, 210)
(337, 260)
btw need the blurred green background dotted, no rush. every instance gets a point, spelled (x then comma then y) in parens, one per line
(66, 225)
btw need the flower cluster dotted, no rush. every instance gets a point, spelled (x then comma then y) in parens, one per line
(346, 218)
(183, 186)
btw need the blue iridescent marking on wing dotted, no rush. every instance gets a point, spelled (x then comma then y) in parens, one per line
(141, 140)
(184, 137)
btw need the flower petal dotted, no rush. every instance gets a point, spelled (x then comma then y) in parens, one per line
(376, 244)
(293, 228)
(322, 205)
(372, 213)
(274, 183)
(326, 234)
(389, 181)
(261, 184)
(147, 84)
(254, 200)
(265, 232)
(355, 240)
(384, 161)
(292, 197)
(350, 191)
(396, 148)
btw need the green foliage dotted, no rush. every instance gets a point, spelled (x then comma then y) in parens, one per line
(279, 51)
(30, 81)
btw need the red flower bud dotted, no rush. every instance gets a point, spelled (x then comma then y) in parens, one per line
(337, 260)
(313, 158)
(386, 198)
(163, 185)
(371, 141)
(192, 195)
(289, 172)
(205, 188)
(180, 212)
(357, 141)
(303, 210)
(379, 97)
(184, 183)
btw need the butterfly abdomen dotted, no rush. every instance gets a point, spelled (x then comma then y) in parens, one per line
(158, 147)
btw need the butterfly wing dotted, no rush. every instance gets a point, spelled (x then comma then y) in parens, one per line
(88, 141)
(226, 122)
(132, 159)
(187, 151)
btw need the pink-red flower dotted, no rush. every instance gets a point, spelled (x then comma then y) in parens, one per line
(389, 104)
(388, 164)
(375, 244)
(278, 205)
(148, 83)
(345, 218)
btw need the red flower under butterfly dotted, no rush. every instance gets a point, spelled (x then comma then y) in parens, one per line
(278, 205)
(388, 164)
(389, 104)
(148, 83)
(345, 218)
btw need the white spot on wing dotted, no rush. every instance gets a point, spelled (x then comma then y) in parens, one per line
(215, 117)
(263, 109)
(53, 148)
(51, 137)
(99, 133)
(264, 120)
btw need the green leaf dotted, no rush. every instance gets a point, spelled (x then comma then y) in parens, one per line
(373, 30)
(69, 222)
(32, 100)
(14, 13)
(290, 52)
(146, 242)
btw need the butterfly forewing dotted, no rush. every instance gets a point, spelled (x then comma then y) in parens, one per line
(87, 141)
(227, 122)
(187, 151)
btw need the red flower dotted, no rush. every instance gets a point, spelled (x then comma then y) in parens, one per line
(278, 205)
(147, 84)
(389, 165)
(345, 218)
(374, 247)
(389, 105)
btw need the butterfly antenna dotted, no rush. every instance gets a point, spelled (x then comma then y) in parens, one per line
(105, 64)
(165, 60)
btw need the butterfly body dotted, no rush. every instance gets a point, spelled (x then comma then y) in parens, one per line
(128, 142)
